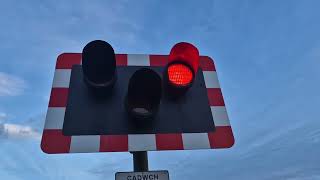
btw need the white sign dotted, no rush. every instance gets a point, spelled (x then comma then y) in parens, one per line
(149, 175)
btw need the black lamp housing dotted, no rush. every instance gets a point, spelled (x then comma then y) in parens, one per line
(99, 66)
(144, 94)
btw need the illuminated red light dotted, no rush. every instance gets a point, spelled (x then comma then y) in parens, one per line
(186, 53)
(180, 75)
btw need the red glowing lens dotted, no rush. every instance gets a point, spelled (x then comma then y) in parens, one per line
(180, 74)
(186, 53)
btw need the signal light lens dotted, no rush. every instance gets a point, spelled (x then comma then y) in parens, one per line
(180, 75)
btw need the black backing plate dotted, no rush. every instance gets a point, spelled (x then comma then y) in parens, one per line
(88, 115)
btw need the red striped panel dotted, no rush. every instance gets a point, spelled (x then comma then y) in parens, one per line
(113, 143)
(206, 63)
(222, 137)
(215, 97)
(169, 142)
(67, 60)
(158, 60)
(122, 59)
(58, 97)
(53, 141)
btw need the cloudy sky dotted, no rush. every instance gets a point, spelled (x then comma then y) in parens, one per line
(267, 55)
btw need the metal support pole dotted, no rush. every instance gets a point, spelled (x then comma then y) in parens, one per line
(140, 161)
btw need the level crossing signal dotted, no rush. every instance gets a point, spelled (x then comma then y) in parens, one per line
(106, 102)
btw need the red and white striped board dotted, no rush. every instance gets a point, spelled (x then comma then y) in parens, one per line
(54, 142)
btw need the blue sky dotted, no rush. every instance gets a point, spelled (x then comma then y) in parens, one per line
(267, 55)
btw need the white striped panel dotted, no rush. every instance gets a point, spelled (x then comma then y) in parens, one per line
(211, 79)
(87, 143)
(138, 60)
(61, 78)
(195, 141)
(55, 118)
(142, 142)
(220, 116)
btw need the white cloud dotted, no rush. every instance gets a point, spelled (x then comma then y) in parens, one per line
(11, 85)
(3, 116)
(18, 131)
